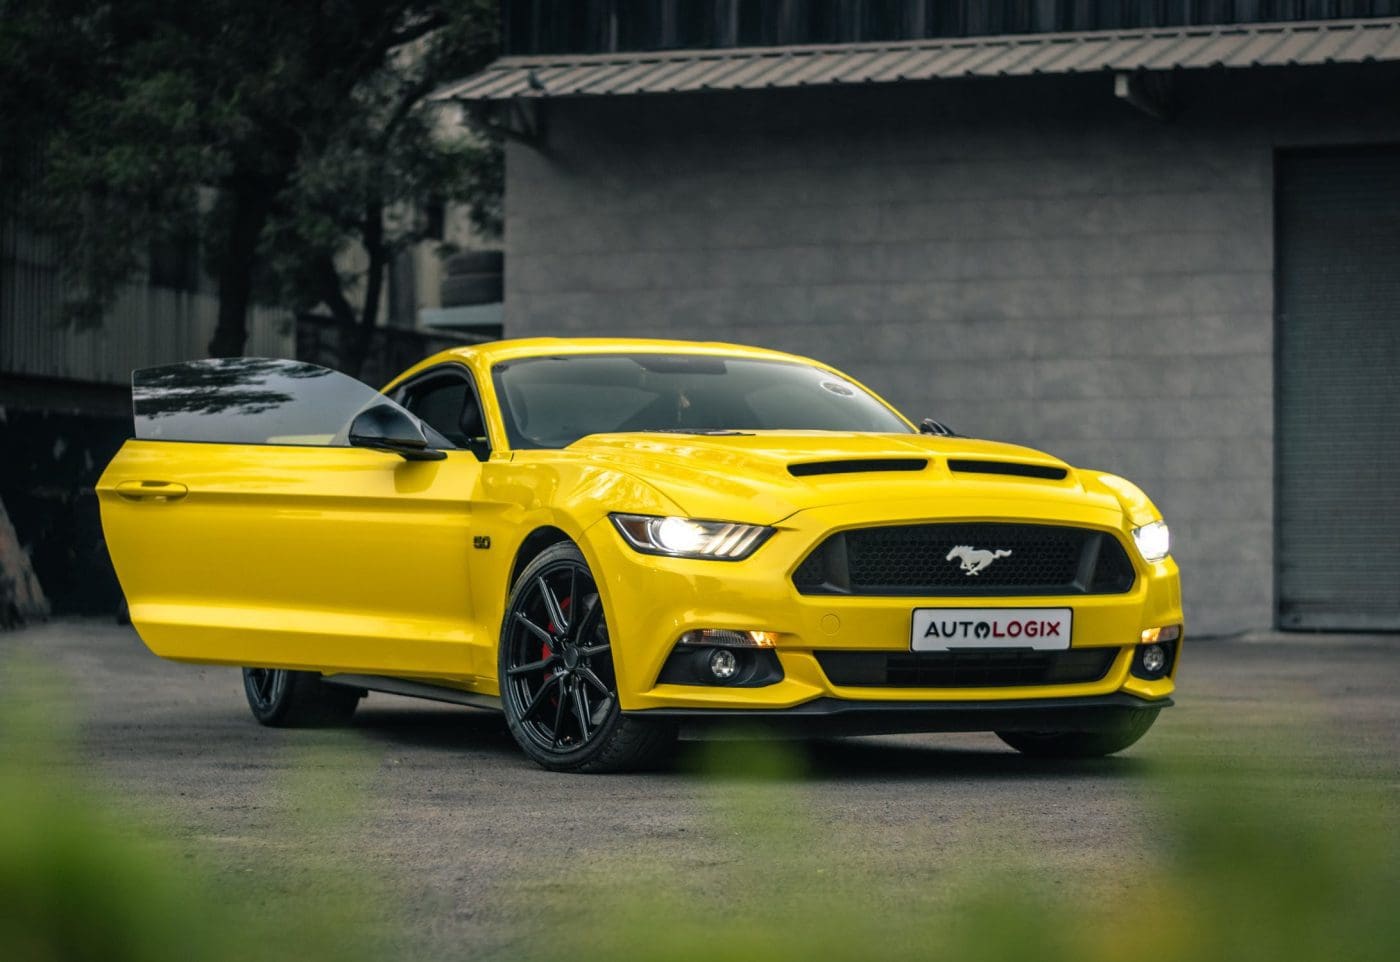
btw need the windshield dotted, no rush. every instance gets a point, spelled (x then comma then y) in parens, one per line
(551, 402)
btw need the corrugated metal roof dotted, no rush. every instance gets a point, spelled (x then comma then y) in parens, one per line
(756, 68)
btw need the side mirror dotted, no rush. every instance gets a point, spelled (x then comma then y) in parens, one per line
(936, 428)
(385, 427)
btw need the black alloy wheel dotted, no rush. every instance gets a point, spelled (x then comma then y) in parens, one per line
(297, 699)
(558, 686)
(264, 687)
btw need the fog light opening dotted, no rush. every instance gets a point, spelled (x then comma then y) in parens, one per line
(1154, 659)
(723, 664)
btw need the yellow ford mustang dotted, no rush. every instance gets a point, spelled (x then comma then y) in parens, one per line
(610, 539)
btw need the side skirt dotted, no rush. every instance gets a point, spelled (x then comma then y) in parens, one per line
(414, 689)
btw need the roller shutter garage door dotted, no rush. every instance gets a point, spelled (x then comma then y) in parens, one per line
(1338, 428)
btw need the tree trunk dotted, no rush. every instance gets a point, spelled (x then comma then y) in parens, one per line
(363, 335)
(247, 216)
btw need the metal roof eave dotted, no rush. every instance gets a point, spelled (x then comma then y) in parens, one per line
(1234, 46)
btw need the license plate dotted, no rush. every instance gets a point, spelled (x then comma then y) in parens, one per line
(946, 629)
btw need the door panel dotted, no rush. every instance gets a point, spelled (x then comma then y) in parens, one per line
(295, 557)
(245, 530)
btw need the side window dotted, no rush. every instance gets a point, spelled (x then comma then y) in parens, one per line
(447, 403)
(248, 400)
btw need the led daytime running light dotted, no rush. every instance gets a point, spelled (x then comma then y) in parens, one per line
(1154, 541)
(688, 538)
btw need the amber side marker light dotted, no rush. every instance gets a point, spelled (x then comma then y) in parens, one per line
(1151, 636)
(727, 638)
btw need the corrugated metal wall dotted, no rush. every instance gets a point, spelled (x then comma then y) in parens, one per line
(582, 26)
(145, 326)
(1338, 430)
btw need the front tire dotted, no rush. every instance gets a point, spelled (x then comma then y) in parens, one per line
(1092, 744)
(297, 699)
(558, 687)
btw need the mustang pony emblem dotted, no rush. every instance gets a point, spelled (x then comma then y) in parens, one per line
(975, 559)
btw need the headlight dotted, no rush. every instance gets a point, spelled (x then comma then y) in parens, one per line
(1154, 541)
(685, 538)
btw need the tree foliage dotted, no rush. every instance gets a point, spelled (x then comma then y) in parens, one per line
(284, 130)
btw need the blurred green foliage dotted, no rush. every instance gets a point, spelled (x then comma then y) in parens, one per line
(82, 877)
(1243, 867)
(1241, 870)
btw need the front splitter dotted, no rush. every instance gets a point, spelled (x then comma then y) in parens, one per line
(836, 716)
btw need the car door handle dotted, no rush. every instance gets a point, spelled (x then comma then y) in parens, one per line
(152, 490)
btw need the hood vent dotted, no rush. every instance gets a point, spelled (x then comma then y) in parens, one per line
(856, 466)
(1013, 468)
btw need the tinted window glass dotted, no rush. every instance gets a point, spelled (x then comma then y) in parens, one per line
(440, 403)
(248, 400)
(550, 402)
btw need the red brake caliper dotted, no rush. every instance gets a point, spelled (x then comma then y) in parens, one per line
(546, 651)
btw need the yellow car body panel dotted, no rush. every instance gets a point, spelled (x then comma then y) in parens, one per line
(343, 559)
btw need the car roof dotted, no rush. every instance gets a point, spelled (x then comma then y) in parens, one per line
(491, 352)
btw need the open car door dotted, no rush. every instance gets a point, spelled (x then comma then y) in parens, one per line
(247, 529)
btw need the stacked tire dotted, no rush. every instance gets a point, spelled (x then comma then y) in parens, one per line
(474, 277)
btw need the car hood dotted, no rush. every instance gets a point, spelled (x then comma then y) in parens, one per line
(763, 477)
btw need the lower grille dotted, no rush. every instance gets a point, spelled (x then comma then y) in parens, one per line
(965, 669)
(967, 559)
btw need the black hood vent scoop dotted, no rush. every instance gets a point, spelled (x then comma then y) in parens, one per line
(856, 466)
(1013, 468)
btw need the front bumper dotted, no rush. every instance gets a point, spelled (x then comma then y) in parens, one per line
(651, 601)
(834, 716)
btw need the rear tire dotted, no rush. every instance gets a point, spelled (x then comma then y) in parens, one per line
(297, 699)
(558, 687)
(1093, 744)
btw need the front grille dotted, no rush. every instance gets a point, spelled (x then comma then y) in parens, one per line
(965, 669)
(968, 559)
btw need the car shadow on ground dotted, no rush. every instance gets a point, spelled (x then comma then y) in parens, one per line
(483, 734)
(435, 728)
(876, 758)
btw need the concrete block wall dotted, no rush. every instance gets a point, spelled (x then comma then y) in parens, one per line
(1028, 260)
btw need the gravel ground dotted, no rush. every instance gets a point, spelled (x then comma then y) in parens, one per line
(462, 840)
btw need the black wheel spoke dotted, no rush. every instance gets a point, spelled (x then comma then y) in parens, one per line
(584, 615)
(566, 630)
(538, 701)
(533, 628)
(581, 712)
(600, 710)
(587, 675)
(594, 650)
(559, 715)
(587, 706)
(263, 682)
(533, 666)
(551, 605)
